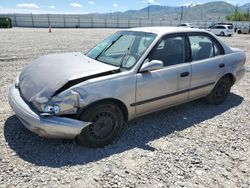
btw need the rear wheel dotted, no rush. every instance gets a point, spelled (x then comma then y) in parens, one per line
(220, 92)
(107, 123)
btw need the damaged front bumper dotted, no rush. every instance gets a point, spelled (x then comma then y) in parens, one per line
(44, 126)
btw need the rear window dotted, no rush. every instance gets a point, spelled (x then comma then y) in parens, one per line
(230, 27)
(221, 27)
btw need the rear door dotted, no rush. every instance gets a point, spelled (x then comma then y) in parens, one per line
(207, 63)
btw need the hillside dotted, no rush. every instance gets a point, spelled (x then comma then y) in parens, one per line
(211, 10)
(245, 7)
(155, 10)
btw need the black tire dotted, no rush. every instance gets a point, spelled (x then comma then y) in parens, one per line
(220, 92)
(222, 33)
(107, 125)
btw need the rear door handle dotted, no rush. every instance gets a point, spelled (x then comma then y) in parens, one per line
(221, 65)
(184, 74)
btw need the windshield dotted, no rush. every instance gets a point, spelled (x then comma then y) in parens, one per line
(122, 49)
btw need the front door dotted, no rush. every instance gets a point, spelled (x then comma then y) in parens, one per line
(167, 86)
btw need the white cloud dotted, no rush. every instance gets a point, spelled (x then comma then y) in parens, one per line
(153, 2)
(191, 4)
(91, 2)
(36, 11)
(76, 5)
(115, 5)
(52, 7)
(28, 6)
(232, 3)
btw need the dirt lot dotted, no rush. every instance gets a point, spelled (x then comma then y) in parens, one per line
(191, 145)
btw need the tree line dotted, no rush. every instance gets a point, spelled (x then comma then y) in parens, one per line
(239, 16)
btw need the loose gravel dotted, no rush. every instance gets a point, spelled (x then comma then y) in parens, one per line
(191, 145)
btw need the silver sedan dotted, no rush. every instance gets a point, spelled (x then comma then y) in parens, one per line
(129, 74)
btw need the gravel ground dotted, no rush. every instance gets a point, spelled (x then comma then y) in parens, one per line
(191, 145)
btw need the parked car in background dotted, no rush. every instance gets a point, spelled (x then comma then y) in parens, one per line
(221, 23)
(243, 30)
(131, 73)
(5, 22)
(222, 30)
(189, 25)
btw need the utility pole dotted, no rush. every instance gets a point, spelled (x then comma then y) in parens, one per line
(236, 8)
(148, 10)
(181, 13)
(236, 12)
(248, 14)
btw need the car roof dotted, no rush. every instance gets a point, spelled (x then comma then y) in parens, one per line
(166, 30)
(222, 25)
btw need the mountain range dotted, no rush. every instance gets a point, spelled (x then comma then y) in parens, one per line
(208, 11)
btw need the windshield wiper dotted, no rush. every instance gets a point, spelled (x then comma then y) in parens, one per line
(123, 57)
(108, 46)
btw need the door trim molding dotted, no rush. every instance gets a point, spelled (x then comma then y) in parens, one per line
(171, 94)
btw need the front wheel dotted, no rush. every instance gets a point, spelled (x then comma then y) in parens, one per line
(222, 34)
(107, 123)
(220, 92)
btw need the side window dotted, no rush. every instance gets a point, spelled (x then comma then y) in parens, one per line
(203, 47)
(171, 51)
(217, 50)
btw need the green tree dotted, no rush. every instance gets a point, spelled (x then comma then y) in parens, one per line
(238, 16)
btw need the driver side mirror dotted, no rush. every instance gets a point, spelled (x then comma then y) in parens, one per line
(152, 65)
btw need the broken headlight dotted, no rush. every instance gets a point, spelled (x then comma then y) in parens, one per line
(51, 108)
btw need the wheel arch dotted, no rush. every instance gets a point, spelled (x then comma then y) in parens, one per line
(117, 102)
(231, 76)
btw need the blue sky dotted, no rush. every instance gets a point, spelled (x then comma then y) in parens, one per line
(88, 6)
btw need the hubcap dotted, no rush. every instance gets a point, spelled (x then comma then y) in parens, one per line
(103, 125)
(221, 90)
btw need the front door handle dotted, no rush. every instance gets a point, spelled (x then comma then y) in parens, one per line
(184, 74)
(221, 65)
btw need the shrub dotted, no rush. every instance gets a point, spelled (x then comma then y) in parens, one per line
(5, 22)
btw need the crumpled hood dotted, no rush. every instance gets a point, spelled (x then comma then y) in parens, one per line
(44, 76)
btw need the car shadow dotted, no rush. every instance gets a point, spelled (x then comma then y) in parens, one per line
(138, 134)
